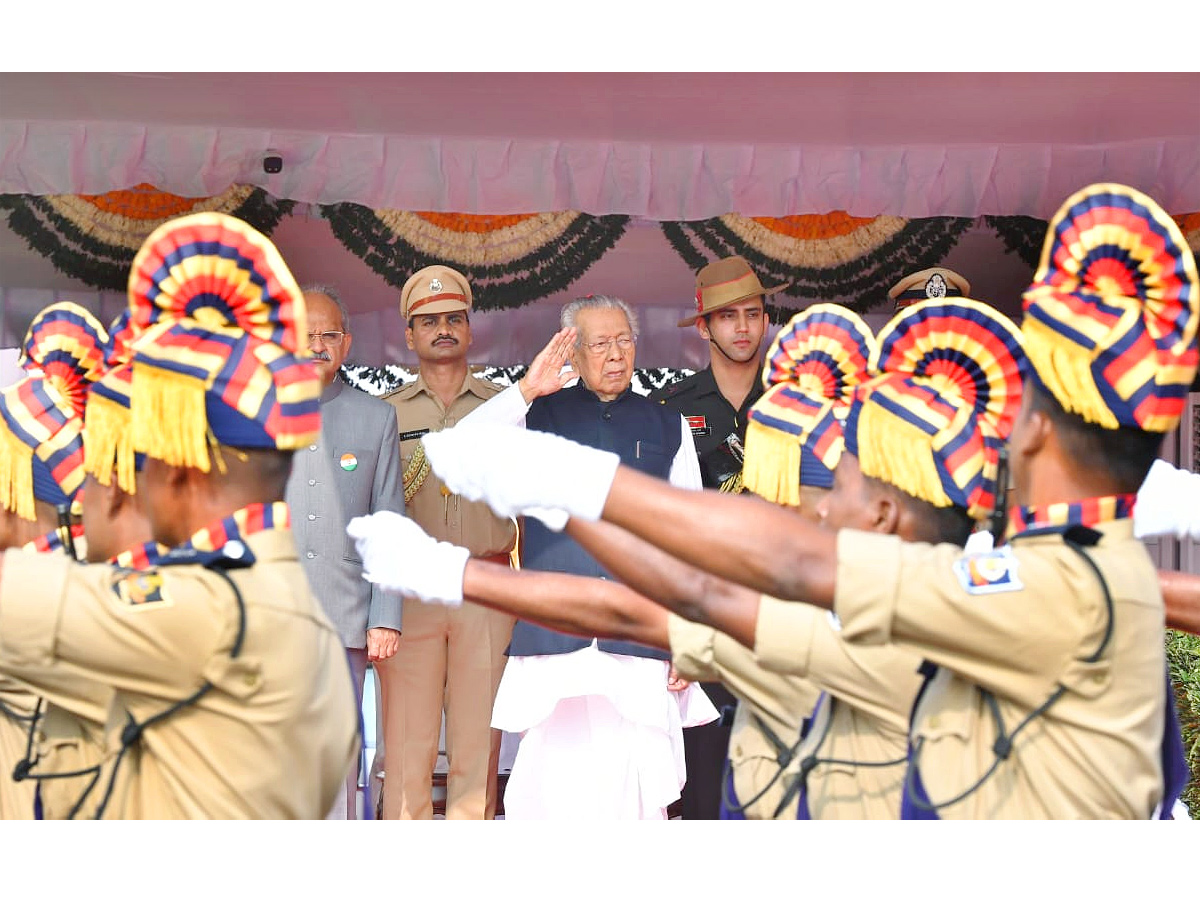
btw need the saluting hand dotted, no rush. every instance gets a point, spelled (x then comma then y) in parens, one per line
(382, 643)
(545, 374)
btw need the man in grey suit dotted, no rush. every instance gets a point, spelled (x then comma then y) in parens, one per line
(352, 470)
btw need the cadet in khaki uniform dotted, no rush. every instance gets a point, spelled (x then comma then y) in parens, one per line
(447, 659)
(41, 438)
(731, 316)
(121, 535)
(231, 693)
(853, 755)
(1049, 700)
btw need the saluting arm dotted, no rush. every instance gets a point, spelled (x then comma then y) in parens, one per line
(684, 589)
(742, 539)
(399, 556)
(575, 604)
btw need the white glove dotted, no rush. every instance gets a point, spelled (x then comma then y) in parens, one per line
(554, 519)
(514, 470)
(400, 557)
(1168, 502)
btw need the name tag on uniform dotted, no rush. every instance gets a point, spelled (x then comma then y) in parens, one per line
(413, 435)
(698, 424)
(993, 572)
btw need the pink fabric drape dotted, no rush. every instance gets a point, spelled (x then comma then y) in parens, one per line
(653, 179)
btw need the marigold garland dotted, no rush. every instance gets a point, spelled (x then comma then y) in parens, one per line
(94, 237)
(824, 257)
(510, 260)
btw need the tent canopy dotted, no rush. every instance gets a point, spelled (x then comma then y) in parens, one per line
(657, 145)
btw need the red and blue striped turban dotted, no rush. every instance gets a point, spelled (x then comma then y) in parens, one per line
(42, 430)
(223, 357)
(945, 392)
(1110, 319)
(794, 431)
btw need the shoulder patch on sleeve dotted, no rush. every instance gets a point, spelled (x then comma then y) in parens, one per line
(140, 590)
(993, 572)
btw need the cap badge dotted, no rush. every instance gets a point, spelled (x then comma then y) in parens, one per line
(435, 285)
(935, 287)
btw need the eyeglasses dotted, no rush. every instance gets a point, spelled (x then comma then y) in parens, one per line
(327, 337)
(598, 348)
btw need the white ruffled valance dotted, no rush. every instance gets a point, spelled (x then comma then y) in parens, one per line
(653, 179)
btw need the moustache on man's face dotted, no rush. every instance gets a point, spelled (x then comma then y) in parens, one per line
(444, 339)
(322, 355)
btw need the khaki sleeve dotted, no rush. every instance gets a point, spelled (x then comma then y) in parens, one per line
(795, 638)
(152, 636)
(700, 653)
(691, 649)
(1015, 642)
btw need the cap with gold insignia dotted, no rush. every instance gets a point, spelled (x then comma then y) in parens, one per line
(724, 282)
(928, 284)
(222, 357)
(433, 290)
(41, 416)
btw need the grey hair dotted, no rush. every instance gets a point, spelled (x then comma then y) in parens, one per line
(597, 301)
(331, 292)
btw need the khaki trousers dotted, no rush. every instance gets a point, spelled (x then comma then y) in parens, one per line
(451, 659)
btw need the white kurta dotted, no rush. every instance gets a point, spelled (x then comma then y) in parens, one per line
(602, 737)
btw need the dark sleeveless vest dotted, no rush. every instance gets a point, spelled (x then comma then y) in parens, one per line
(646, 436)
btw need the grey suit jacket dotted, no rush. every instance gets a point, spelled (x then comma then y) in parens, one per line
(353, 470)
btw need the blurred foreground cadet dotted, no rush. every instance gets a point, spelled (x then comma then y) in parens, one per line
(231, 692)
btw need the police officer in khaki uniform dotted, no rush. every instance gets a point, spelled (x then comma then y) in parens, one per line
(231, 693)
(41, 435)
(447, 660)
(731, 316)
(1049, 699)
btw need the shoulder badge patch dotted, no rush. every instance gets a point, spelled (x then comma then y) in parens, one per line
(141, 590)
(993, 572)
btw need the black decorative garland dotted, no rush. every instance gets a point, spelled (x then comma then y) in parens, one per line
(1022, 235)
(919, 244)
(94, 262)
(549, 269)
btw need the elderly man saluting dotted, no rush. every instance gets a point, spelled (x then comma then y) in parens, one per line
(602, 720)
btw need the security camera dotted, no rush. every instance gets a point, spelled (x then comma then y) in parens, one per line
(272, 162)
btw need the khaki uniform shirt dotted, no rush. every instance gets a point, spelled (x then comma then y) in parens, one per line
(441, 514)
(74, 732)
(275, 736)
(781, 703)
(864, 718)
(1095, 753)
